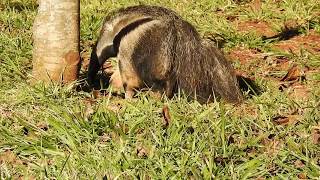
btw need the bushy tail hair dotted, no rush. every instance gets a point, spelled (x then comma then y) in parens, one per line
(202, 70)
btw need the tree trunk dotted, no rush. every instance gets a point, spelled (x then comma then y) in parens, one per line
(56, 38)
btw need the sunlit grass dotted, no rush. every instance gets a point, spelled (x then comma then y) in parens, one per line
(57, 132)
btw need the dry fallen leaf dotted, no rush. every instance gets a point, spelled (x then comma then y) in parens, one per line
(294, 73)
(285, 120)
(220, 160)
(141, 152)
(302, 176)
(166, 116)
(281, 120)
(315, 133)
(42, 125)
(299, 164)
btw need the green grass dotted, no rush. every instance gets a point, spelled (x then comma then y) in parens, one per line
(57, 132)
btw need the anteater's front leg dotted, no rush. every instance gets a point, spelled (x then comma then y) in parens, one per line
(115, 80)
(129, 77)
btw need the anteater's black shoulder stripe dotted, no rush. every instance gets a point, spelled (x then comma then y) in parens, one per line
(124, 31)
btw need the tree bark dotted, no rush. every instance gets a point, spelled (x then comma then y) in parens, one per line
(56, 37)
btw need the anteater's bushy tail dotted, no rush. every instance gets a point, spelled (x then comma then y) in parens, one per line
(202, 70)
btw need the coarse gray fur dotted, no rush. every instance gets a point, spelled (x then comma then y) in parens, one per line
(156, 48)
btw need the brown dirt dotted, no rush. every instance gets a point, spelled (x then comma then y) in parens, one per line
(262, 28)
(310, 42)
(293, 82)
(244, 55)
(299, 91)
(8, 157)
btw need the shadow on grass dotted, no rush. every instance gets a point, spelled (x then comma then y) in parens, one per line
(290, 31)
(286, 34)
(101, 84)
(248, 85)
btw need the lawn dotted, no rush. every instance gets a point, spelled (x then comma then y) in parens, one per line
(54, 132)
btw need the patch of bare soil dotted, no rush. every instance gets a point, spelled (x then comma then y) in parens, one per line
(299, 91)
(244, 55)
(9, 158)
(261, 28)
(310, 42)
(255, 59)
